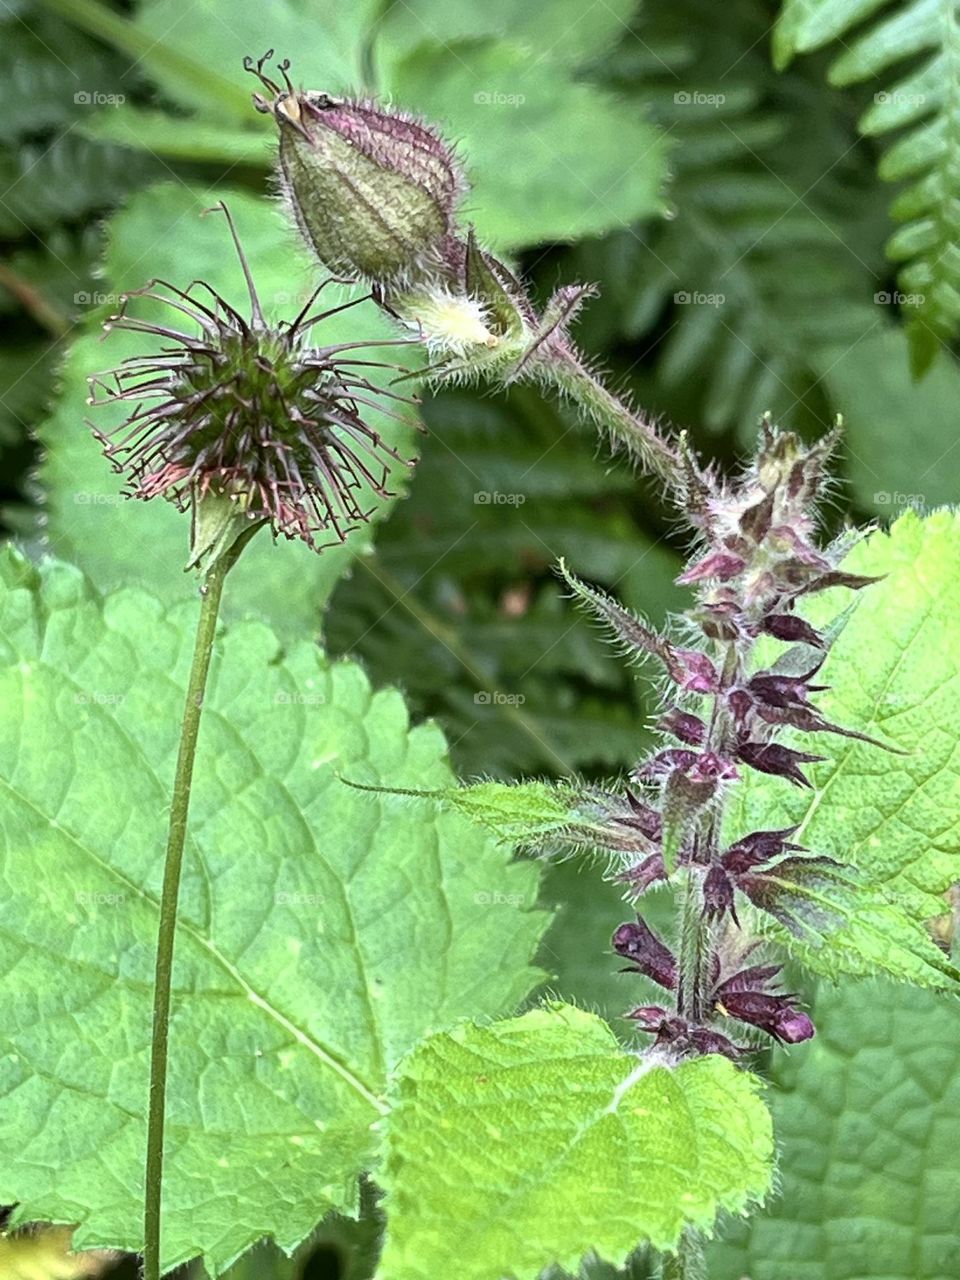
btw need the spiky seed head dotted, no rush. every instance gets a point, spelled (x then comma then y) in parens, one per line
(251, 411)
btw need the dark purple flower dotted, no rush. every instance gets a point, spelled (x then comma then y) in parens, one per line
(837, 578)
(679, 1036)
(790, 627)
(688, 728)
(640, 877)
(718, 894)
(722, 565)
(665, 763)
(636, 942)
(773, 1014)
(775, 689)
(758, 847)
(783, 762)
(693, 671)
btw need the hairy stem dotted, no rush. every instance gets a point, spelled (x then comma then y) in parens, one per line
(688, 1263)
(211, 593)
(696, 935)
(571, 376)
(693, 956)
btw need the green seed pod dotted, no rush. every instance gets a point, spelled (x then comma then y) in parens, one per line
(372, 190)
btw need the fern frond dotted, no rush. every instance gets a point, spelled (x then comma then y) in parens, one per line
(920, 42)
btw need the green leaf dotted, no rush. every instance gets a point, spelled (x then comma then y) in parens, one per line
(556, 31)
(162, 234)
(324, 42)
(868, 1126)
(171, 56)
(203, 140)
(893, 672)
(762, 173)
(318, 940)
(533, 1141)
(516, 812)
(925, 104)
(37, 87)
(47, 183)
(545, 152)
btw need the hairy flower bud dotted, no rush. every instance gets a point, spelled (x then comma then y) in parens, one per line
(373, 191)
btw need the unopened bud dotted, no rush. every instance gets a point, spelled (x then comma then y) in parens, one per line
(373, 190)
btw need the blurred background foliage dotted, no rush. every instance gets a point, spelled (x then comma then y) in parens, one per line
(767, 196)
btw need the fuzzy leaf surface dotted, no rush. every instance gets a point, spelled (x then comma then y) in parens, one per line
(893, 672)
(530, 1142)
(318, 940)
(868, 1126)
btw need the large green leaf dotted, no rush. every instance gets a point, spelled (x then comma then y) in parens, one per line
(162, 234)
(868, 1126)
(894, 672)
(925, 105)
(319, 938)
(537, 1140)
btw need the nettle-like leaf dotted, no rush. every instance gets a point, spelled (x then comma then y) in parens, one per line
(87, 519)
(868, 1125)
(317, 942)
(523, 811)
(893, 672)
(924, 105)
(536, 1140)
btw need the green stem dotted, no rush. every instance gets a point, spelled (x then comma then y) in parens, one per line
(693, 951)
(696, 935)
(574, 380)
(211, 593)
